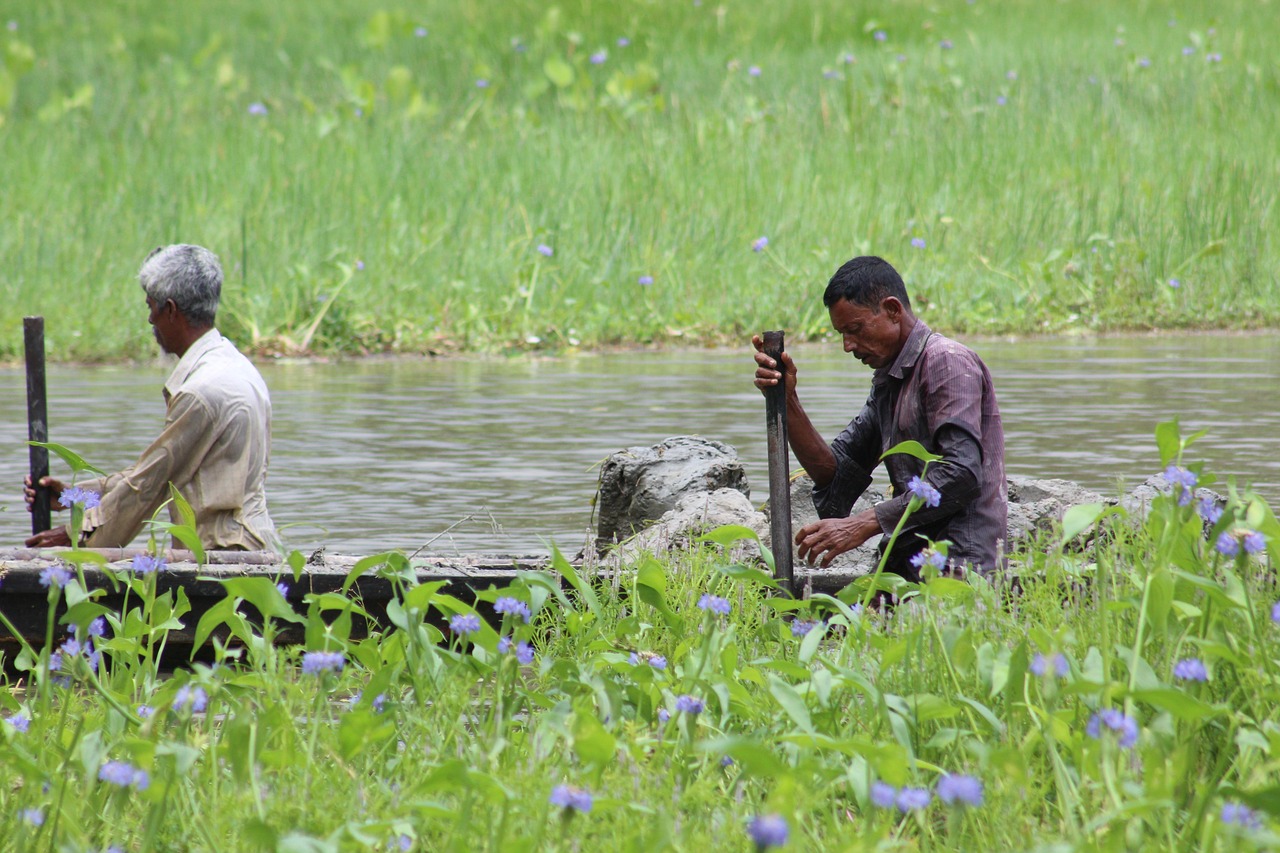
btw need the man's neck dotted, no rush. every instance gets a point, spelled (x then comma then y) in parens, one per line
(189, 336)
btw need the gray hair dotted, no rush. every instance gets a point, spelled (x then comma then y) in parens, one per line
(189, 275)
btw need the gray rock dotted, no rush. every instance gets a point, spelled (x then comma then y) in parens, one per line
(694, 514)
(640, 484)
(1037, 506)
(844, 568)
(1137, 502)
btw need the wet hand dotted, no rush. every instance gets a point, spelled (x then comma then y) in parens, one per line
(821, 542)
(55, 538)
(55, 488)
(767, 373)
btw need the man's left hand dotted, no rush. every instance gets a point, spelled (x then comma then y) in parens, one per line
(834, 536)
(55, 538)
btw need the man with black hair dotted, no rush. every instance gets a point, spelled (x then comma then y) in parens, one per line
(926, 388)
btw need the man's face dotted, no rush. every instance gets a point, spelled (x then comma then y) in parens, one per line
(873, 336)
(161, 320)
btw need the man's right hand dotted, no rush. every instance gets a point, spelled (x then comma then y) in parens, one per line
(55, 488)
(767, 373)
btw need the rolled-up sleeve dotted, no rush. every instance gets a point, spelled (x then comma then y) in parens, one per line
(856, 450)
(957, 478)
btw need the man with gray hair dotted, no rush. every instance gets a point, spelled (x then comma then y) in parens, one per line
(217, 433)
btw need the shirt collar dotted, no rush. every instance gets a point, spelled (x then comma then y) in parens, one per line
(907, 357)
(189, 360)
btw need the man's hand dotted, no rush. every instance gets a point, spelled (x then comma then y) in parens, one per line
(767, 374)
(55, 488)
(835, 536)
(58, 537)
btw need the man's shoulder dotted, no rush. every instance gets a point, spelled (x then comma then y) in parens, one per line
(224, 371)
(941, 346)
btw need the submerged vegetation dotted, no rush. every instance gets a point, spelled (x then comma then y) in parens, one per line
(478, 176)
(1123, 696)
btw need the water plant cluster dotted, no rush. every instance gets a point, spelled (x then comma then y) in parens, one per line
(1122, 694)
(410, 176)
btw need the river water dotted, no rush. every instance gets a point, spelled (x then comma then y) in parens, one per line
(502, 454)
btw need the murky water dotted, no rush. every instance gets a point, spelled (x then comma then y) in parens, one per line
(501, 455)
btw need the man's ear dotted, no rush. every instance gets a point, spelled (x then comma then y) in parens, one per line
(891, 306)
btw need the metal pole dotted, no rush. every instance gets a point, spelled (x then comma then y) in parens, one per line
(775, 407)
(37, 419)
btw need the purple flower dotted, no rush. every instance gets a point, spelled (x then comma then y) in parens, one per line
(726, 761)
(571, 799)
(283, 589)
(1175, 283)
(77, 495)
(663, 715)
(599, 57)
(645, 280)
(754, 71)
(318, 663)
(960, 789)
(55, 576)
(33, 817)
(924, 491)
(1241, 815)
(145, 564)
(1183, 481)
(830, 75)
(910, 799)
(257, 108)
(124, 775)
(715, 604)
(880, 35)
(758, 244)
(623, 41)
(1040, 665)
(464, 624)
(97, 627)
(1209, 510)
(1191, 669)
(883, 795)
(1213, 57)
(1143, 62)
(800, 628)
(545, 250)
(690, 704)
(1001, 100)
(13, 26)
(945, 44)
(653, 660)
(849, 59)
(930, 557)
(514, 606)
(405, 843)
(1188, 50)
(1231, 542)
(193, 697)
(524, 653)
(917, 242)
(145, 711)
(1116, 721)
(1275, 612)
(1254, 542)
(1227, 545)
(768, 831)
(420, 32)
(19, 721)
(482, 83)
(1011, 75)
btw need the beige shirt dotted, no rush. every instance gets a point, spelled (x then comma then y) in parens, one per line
(214, 449)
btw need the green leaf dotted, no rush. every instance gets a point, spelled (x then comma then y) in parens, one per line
(569, 573)
(791, 702)
(1168, 441)
(747, 574)
(591, 741)
(262, 593)
(911, 448)
(1182, 705)
(365, 564)
(73, 459)
(726, 535)
(1078, 519)
(651, 587)
(558, 72)
(753, 756)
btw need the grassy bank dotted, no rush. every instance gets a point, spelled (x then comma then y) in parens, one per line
(477, 176)
(1125, 699)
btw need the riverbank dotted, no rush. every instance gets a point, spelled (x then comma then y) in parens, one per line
(480, 179)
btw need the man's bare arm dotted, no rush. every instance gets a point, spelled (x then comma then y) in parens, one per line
(811, 450)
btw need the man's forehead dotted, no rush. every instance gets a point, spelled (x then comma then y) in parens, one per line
(844, 310)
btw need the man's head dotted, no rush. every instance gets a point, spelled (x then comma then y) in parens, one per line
(869, 307)
(182, 284)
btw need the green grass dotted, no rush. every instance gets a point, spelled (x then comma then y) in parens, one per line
(452, 744)
(1070, 206)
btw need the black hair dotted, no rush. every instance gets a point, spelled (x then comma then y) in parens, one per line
(866, 281)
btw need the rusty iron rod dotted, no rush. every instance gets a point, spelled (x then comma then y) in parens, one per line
(775, 405)
(37, 419)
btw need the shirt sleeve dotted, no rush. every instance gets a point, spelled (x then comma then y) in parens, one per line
(132, 496)
(857, 449)
(957, 479)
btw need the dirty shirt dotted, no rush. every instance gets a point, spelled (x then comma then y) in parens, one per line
(939, 393)
(214, 449)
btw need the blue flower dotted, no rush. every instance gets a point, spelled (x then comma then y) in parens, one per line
(283, 589)
(1188, 50)
(645, 280)
(945, 44)
(1241, 815)
(599, 57)
(925, 491)
(910, 799)
(1184, 483)
(1001, 100)
(317, 663)
(19, 721)
(482, 83)
(507, 604)
(1175, 283)
(420, 32)
(1191, 669)
(880, 35)
(768, 831)
(145, 711)
(145, 564)
(917, 242)
(257, 108)
(715, 604)
(124, 775)
(55, 575)
(1254, 542)
(97, 627)
(930, 557)
(726, 761)
(33, 817)
(758, 244)
(1213, 57)
(883, 795)
(690, 704)
(1143, 62)
(1275, 612)
(193, 697)
(545, 250)
(1040, 665)
(1115, 721)
(623, 41)
(663, 715)
(754, 71)
(1230, 543)
(571, 799)
(464, 624)
(77, 495)
(960, 789)
(1209, 510)
(653, 660)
